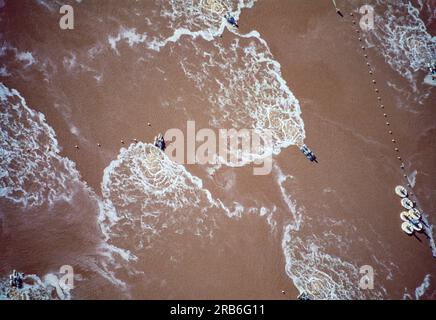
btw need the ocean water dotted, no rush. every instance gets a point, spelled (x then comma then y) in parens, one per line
(149, 207)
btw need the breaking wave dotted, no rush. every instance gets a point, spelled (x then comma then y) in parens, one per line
(403, 38)
(31, 170)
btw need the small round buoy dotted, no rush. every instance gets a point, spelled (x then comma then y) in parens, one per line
(149, 124)
(382, 106)
(368, 64)
(379, 98)
(283, 292)
(396, 149)
(399, 158)
(376, 90)
(98, 145)
(393, 140)
(76, 146)
(370, 72)
(385, 115)
(390, 132)
(360, 39)
(366, 56)
(373, 81)
(387, 123)
(351, 14)
(122, 141)
(135, 140)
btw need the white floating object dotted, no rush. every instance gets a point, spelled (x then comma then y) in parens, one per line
(429, 80)
(415, 214)
(417, 226)
(407, 227)
(407, 203)
(404, 216)
(401, 191)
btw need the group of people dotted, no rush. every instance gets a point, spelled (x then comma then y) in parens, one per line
(16, 279)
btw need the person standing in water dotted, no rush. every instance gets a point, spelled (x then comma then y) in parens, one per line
(230, 19)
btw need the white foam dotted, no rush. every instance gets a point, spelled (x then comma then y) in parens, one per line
(35, 288)
(161, 192)
(30, 156)
(26, 57)
(420, 291)
(4, 72)
(411, 178)
(404, 41)
(130, 35)
(49, 5)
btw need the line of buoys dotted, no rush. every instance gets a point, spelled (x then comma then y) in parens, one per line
(99, 144)
(412, 216)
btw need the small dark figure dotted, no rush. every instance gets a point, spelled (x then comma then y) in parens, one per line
(304, 296)
(16, 279)
(432, 69)
(308, 153)
(159, 142)
(339, 13)
(231, 20)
